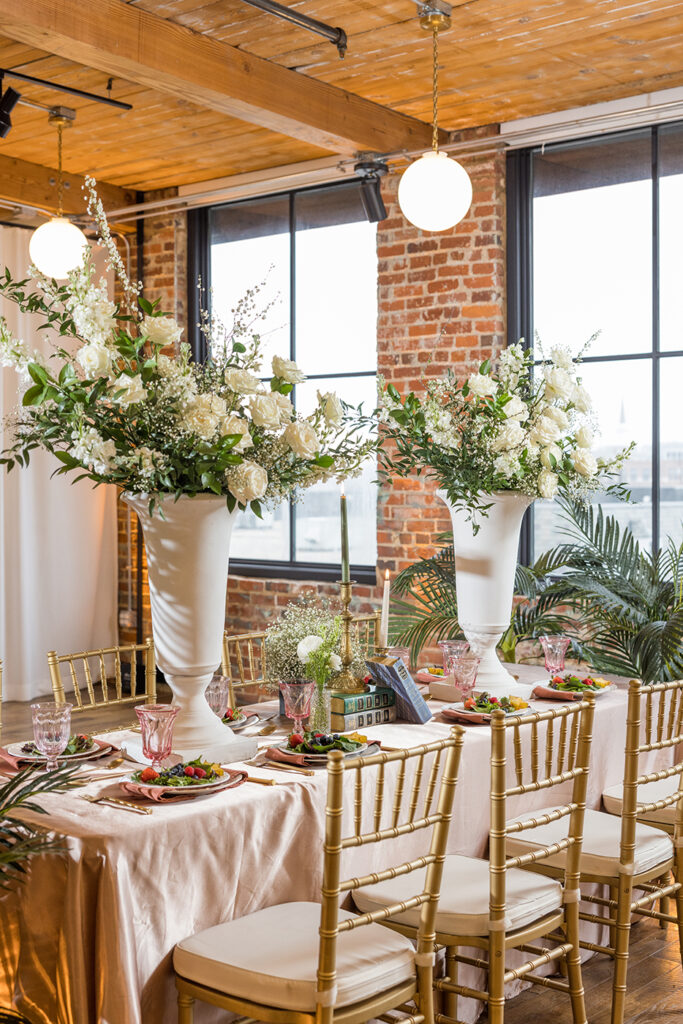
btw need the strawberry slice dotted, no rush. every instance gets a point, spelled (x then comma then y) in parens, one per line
(148, 774)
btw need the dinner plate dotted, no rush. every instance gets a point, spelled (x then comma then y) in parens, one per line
(322, 758)
(596, 693)
(196, 790)
(15, 750)
(474, 713)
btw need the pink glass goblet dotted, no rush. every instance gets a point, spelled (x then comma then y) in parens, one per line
(297, 697)
(217, 695)
(555, 649)
(156, 726)
(463, 669)
(51, 730)
(400, 652)
(452, 649)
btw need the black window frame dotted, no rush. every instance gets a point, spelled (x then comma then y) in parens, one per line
(520, 306)
(199, 270)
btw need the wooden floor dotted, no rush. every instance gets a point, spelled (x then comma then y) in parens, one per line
(655, 980)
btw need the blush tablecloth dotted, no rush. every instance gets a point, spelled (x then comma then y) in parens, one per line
(89, 938)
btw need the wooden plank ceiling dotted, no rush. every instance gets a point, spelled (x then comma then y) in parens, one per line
(502, 59)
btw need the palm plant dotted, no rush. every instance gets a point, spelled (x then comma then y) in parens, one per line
(426, 607)
(630, 601)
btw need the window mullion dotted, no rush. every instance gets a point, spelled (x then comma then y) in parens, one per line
(655, 340)
(292, 346)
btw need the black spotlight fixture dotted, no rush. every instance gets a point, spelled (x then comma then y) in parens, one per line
(370, 172)
(8, 101)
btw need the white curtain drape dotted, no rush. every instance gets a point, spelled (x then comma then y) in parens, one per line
(58, 555)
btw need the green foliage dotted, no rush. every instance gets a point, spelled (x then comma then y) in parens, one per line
(18, 840)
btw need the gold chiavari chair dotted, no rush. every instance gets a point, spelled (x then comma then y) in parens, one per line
(491, 904)
(310, 963)
(86, 684)
(622, 852)
(0, 695)
(243, 660)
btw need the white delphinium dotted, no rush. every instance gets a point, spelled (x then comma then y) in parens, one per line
(440, 425)
(92, 311)
(91, 450)
(13, 352)
(511, 365)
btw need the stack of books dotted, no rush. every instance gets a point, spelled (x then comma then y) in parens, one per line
(352, 711)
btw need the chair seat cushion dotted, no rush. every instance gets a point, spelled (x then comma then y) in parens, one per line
(602, 835)
(271, 957)
(648, 793)
(464, 903)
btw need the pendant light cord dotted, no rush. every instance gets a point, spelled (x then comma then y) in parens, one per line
(435, 88)
(60, 180)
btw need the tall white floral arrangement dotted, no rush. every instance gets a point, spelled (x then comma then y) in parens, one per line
(130, 407)
(511, 426)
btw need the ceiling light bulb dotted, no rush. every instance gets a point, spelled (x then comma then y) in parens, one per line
(435, 192)
(57, 247)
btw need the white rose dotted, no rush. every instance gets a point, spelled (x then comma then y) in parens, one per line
(562, 357)
(332, 408)
(482, 386)
(302, 439)
(202, 415)
(558, 415)
(545, 431)
(234, 424)
(584, 437)
(546, 453)
(581, 398)
(511, 435)
(516, 409)
(286, 369)
(547, 483)
(558, 383)
(507, 464)
(305, 648)
(96, 360)
(248, 482)
(285, 407)
(162, 330)
(241, 381)
(585, 462)
(265, 411)
(132, 388)
(335, 662)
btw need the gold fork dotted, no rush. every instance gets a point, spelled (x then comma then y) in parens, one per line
(114, 801)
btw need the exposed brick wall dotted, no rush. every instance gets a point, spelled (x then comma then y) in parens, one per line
(441, 305)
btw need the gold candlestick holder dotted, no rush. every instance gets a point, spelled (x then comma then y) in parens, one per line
(346, 682)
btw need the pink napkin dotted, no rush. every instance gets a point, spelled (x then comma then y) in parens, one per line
(275, 754)
(547, 693)
(453, 715)
(139, 789)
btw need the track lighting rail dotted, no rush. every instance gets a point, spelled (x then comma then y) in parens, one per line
(337, 36)
(65, 88)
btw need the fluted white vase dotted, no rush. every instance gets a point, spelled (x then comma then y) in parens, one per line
(485, 564)
(187, 543)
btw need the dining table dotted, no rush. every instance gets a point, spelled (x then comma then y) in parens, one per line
(89, 937)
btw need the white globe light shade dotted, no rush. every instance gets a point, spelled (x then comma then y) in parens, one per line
(57, 247)
(435, 192)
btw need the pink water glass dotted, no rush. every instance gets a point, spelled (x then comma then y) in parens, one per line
(463, 669)
(555, 649)
(400, 652)
(217, 695)
(156, 726)
(297, 697)
(452, 649)
(51, 730)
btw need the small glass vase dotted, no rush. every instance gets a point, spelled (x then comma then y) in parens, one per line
(319, 719)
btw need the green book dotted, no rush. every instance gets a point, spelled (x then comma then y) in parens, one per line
(352, 703)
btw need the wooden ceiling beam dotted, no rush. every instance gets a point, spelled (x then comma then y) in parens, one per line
(22, 182)
(129, 42)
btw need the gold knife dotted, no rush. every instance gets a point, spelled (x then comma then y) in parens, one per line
(115, 802)
(279, 767)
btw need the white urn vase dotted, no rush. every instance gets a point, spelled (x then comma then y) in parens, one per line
(485, 563)
(187, 543)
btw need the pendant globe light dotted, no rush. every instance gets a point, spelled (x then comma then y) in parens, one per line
(57, 247)
(435, 192)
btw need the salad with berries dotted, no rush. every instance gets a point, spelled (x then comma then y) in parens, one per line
(577, 684)
(233, 715)
(78, 744)
(188, 773)
(487, 704)
(321, 743)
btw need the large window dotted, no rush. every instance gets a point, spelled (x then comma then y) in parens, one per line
(594, 231)
(316, 253)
